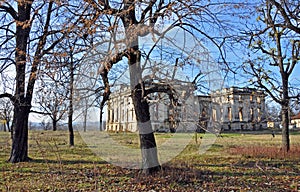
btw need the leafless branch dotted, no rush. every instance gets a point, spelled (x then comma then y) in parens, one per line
(8, 95)
(40, 112)
(9, 9)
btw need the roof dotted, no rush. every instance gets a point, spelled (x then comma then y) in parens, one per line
(296, 116)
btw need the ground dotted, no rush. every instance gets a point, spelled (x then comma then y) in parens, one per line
(235, 162)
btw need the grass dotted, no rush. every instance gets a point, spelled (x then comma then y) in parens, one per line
(234, 162)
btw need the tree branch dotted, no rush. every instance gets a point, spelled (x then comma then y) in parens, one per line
(5, 66)
(162, 88)
(39, 112)
(10, 10)
(147, 9)
(295, 97)
(285, 17)
(261, 84)
(8, 95)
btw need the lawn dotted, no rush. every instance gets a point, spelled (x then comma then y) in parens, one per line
(234, 162)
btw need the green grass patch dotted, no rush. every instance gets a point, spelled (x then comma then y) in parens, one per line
(233, 162)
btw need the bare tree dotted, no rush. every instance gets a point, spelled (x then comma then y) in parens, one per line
(32, 29)
(277, 37)
(6, 106)
(127, 22)
(6, 109)
(52, 97)
(61, 69)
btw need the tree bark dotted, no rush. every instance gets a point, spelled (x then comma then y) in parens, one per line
(19, 152)
(8, 125)
(106, 95)
(85, 114)
(70, 113)
(101, 119)
(4, 127)
(285, 115)
(285, 129)
(150, 163)
(71, 135)
(84, 121)
(54, 124)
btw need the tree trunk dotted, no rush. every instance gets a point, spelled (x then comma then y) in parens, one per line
(285, 115)
(85, 115)
(105, 97)
(71, 135)
(12, 130)
(19, 152)
(101, 119)
(8, 125)
(285, 129)
(150, 163)
(70, 122)
(70, 113)
(54, 124)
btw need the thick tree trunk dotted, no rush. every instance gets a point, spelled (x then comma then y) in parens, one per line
(19, 152)
(54, 124)
(150, 163)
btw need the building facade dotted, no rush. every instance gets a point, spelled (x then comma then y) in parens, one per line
(120, 111)
(234, 109)
(164, 115)
(295, 121)
(229, 109)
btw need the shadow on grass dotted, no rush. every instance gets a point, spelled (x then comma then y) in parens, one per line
(66, 162)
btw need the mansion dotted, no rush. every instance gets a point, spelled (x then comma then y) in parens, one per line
(234, 109)
(229, 109)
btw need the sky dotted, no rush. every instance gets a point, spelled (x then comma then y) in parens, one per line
(214, 77)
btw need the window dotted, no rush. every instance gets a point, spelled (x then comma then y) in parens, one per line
(241, 114)
(229, 114)
(108, 116)
(112, 116)
(214, 115)
(132, 114)
(251, 97)
(123, 115)
(117, 115)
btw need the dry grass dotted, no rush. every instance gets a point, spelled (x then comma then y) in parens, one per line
(271, 152)
(235, 162)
